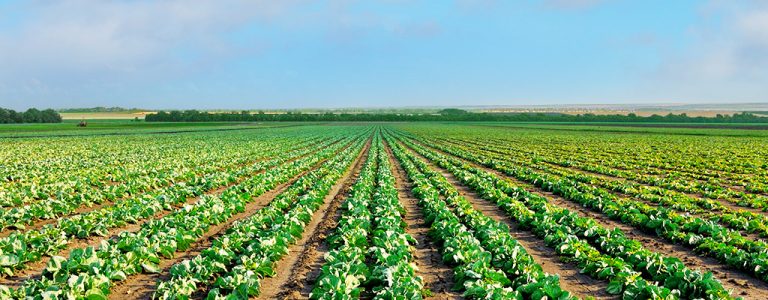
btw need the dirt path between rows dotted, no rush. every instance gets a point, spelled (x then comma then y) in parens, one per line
(735, 207)
(725, 202)
(33, 270)
(729, 206)
(741, 284)
(40, 223)
(437, 276)
(143, 285)
(571, 279)
(291, 280)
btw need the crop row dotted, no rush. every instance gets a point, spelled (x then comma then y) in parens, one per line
(67, 203)
(655, 186)
(250, 248)
(345, 269)
(643, 168)
(372, 213)
(704, 236)
(719, 157)
(705, 208)
(88, 173)
(489, 262)
(635, 272)
(20, 248)
(89, 272)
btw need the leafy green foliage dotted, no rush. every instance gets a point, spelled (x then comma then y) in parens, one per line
(631, 269)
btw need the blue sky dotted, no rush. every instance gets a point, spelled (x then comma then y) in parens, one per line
(292, 54)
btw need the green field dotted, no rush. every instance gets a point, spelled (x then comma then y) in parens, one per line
(123, 127)
(136, 210)
(723, 129)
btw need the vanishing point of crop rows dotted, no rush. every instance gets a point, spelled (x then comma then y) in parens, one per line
(386, 211)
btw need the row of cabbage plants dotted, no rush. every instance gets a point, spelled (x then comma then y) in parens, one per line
(602, 253)
(91, 271)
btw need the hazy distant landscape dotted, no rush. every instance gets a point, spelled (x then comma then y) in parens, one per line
(695, 110)
(384, 150)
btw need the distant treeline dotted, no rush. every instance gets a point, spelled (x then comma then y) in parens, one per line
(99, 109)
(444, 115)
(32, 115)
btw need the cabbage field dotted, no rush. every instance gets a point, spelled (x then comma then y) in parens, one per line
(385, 211)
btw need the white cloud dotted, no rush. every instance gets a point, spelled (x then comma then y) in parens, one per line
(572, 4)
(116, 50)
(120, 37)
(727, 58)
(474, 5)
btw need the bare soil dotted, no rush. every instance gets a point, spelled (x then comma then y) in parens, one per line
(40, 223)
(725, 202)
(437, 276)
(292, 278)
(733, 205)
(571, 279)
(740, 283)
(307, 264)
(34, 269)
(143, 285)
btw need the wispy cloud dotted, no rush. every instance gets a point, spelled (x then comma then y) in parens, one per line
(572, 4)
(729, 52)
(121, 37)
(477, 4)
(186, 52)
(73, 49)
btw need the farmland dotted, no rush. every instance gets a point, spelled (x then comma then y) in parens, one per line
(382, 211)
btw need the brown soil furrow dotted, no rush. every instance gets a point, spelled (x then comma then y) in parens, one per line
(143, 285)
(299, 260)
(733, 207)
(40, 223)
(306, 268)
(34, 270)
(742, 188)
(729, 204)
(740, 283)
(571, 279)
(437, 276)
